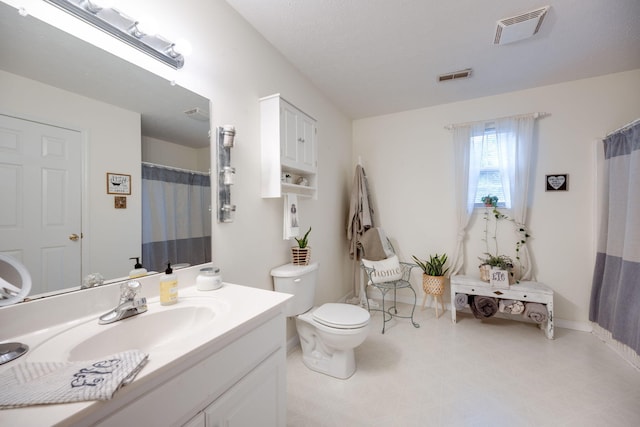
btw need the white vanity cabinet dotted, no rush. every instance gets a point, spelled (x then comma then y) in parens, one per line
(289, 149)
(241, 385)
(253, 401)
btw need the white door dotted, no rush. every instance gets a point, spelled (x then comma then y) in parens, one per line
(40, 190)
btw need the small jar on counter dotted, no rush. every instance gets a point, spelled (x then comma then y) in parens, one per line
(209, 279)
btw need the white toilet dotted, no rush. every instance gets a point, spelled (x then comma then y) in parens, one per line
(329, 333)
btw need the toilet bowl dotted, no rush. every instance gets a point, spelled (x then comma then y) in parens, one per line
(328, 333)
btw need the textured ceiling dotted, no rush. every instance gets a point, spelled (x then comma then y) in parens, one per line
(373, 57)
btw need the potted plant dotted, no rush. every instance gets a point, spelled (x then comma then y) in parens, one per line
(301, 254)
(495, 260)
(433, 276)
(490, 261)
(490, 201)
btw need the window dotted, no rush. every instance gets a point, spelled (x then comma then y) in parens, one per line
(493, 157)
(490, 178)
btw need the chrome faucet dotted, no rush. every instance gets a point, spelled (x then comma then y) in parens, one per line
(130, 303)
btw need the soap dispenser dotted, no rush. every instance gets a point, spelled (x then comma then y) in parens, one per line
(138, 269)
(168, 287)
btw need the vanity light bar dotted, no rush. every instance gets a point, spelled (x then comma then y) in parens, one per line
(122, 27)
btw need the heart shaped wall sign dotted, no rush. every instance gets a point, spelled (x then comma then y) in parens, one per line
(556, 182)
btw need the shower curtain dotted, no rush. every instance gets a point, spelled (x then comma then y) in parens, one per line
(615, 293)
(176, 220)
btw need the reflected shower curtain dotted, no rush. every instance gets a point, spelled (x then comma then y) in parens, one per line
(176, 221)
(615, 294)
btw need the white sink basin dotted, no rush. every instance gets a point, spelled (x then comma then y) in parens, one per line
(160, 329)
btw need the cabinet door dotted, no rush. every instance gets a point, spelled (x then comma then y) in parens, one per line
(306, 142)
(289, 142)
(256, 400)
(197, 421)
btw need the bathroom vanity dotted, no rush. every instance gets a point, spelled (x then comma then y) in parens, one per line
(215, 358)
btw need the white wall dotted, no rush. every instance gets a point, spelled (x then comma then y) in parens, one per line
(408, 158)
(111, 138)
(178, 156)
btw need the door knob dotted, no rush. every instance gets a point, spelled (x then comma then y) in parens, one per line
(74, 237)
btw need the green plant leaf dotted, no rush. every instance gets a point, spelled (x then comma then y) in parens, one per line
(434, 266)
(302, 243)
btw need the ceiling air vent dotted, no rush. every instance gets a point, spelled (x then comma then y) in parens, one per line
(519, 27)
(198, 113)
(462, 74)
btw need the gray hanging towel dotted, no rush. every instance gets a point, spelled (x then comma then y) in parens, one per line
(360, 211)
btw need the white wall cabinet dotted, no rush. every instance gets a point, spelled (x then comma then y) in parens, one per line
(298, 143)
(289, 149)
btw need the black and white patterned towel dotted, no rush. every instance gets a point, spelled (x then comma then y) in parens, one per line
(38, 383)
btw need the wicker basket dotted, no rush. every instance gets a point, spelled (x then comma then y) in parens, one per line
(300, 256)
(433, 285)
(485, 273)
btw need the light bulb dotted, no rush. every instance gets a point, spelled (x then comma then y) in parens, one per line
(135, 31)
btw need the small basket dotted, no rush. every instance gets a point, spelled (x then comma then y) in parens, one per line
(433, 285)
(300, 256)
(485, 273)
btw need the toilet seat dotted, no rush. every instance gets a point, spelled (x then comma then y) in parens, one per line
(341, 316)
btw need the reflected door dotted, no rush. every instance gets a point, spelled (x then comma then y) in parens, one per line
(40, 194)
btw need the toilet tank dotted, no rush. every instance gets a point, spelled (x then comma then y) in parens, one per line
(299, 281)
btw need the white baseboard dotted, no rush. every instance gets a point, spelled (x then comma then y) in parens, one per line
(574, 325)
(624, 351)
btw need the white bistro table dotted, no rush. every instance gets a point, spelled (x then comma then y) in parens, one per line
(523, 291)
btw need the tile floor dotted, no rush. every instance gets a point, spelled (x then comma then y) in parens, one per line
(474, 373)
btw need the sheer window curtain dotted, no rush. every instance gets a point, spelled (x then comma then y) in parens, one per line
(515, 149)
(615, 292)
(515, 146)
(466, 172)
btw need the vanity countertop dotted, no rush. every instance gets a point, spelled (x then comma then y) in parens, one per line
(248, 308)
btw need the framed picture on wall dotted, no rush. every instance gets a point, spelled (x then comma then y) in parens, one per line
(557, 182)
(118, 183)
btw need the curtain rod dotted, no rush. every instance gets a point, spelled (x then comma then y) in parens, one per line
(155, 165)
(623, 128)
(519, 116)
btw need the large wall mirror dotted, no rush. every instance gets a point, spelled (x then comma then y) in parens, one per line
(120, 114)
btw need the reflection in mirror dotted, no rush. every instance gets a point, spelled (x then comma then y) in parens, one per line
(15, 281)
(92, 114)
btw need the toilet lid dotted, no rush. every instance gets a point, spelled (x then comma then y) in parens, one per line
(342, 316)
